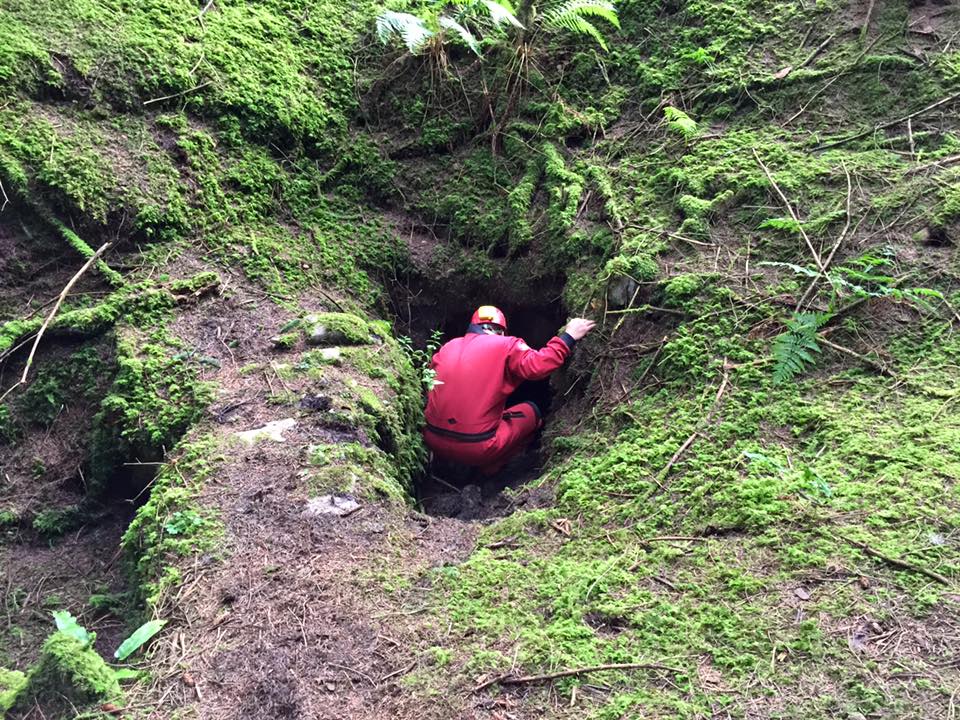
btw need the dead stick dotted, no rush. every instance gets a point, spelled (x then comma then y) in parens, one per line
(882, 369)
(674, 538)
(786, 202)
(936, 163)
(511, 680)
(63, 294)
(809, 59)
(813, 97)
(693, 436)
(176, 95)
(866, 21)
(882, 126)
(836, 245)
(897, 562)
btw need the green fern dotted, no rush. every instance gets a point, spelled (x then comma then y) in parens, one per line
(572, 15)
(409, 28)
(468, 38)
(792, 349)
(679, 122)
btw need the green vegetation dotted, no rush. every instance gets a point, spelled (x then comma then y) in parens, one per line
(68, 675)
(752, 470)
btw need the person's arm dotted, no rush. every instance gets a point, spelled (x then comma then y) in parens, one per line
(529, 364)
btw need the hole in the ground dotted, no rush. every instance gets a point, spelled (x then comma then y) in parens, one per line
(534, 314)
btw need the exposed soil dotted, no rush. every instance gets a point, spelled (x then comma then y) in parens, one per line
(39, 577)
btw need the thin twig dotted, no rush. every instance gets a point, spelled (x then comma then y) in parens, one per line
(176, 95)
(949, 160)
(866, 20)
(5, 198)
(836, 245)
(670, 234)
(63, 294)
(896, 562)
(401, 671)
(813, 97)
(882, 126)
(509, 679)
(662, 475)
(882, 369)
(819, 49)
(793, 214)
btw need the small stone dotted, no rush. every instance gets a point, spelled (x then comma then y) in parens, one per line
(620, 291)
(271, 431)
(331, 505)
(320, 334)
(320, 403)
(801, 593)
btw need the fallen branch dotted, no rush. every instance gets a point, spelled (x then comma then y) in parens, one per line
(662, 475)
(866, 20)
(176, 95)
(510, 679)
(846, 228)
(674, 538)
(896, 562)
(813, 97)
(819, 49)
(63, 294)
(793, 214)
(882, 369)
(942, 162)
(891, 123)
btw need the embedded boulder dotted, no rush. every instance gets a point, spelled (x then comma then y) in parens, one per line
(336, 329)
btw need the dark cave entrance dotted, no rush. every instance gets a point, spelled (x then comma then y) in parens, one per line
(535, 313)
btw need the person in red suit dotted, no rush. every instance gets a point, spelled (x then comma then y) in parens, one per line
(467, 420)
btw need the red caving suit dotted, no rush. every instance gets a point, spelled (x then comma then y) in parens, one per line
(467, 421)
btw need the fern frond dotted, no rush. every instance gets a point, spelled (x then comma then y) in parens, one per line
(409, 28)
(792, 349)
(502, 12)
(571, 15)
(465, 35)
(680, 122)
(798, 269)
(583, 9)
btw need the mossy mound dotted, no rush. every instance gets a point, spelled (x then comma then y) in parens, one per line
(336, 329)
(69, 675)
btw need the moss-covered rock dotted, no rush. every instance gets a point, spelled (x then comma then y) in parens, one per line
(11, 683)
(69, 675)
(336, 329)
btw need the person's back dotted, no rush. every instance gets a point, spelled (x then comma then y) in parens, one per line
(475, 374)
(475, 379)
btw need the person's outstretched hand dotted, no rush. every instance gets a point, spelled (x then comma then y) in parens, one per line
(578, 327)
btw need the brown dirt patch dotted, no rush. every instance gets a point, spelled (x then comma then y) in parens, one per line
(38, 577)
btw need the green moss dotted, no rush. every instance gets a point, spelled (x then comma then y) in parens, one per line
(57, 521)
(57, 385)
(519, 202)
(170, 526)
(154, 398)
(336, 329)
(11, 683)
(69, 675)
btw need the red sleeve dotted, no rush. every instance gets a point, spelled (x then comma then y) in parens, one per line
(528, 364)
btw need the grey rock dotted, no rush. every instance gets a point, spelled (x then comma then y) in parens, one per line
(331, 505)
